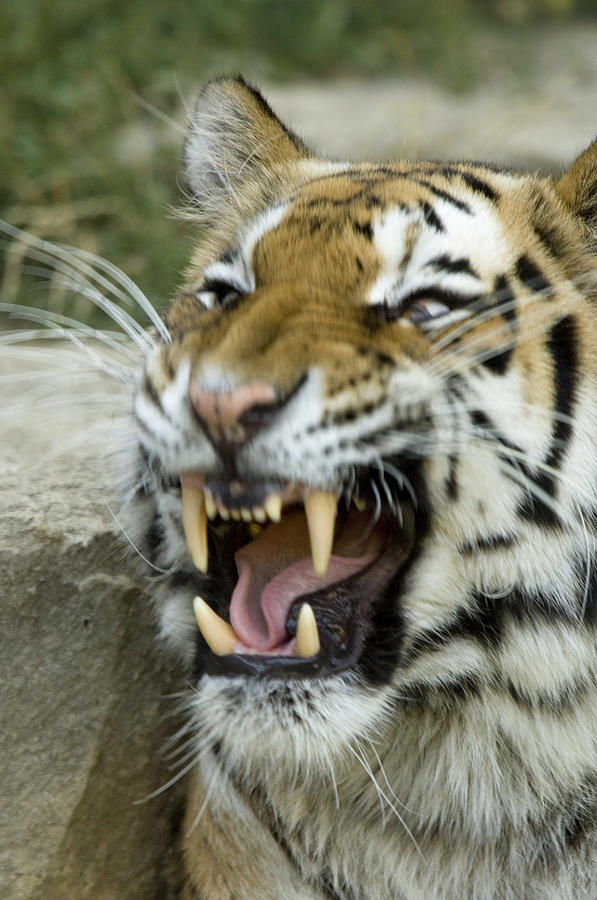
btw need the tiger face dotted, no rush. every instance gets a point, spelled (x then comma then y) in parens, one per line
(368, 450)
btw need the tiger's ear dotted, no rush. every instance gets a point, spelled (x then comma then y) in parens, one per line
(237, 151)
(578, 187)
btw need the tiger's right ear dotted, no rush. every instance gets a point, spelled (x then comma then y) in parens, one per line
(578, 187)
(237, 152)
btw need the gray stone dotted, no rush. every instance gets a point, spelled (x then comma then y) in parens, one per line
(83, 688)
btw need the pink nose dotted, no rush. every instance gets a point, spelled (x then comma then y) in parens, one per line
(221, 412)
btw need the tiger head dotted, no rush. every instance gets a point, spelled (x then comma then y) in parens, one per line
(368, 445)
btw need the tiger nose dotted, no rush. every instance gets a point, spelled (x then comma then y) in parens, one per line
(232, 417)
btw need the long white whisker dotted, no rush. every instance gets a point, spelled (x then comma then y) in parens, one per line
(71, 260)
(77, 282)
(135, 548)
(52, 320)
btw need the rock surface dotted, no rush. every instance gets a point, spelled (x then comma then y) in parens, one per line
(82, 687)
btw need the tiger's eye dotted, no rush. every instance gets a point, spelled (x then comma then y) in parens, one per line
(423, 310)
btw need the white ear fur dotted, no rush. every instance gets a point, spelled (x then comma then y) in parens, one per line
(236, 149)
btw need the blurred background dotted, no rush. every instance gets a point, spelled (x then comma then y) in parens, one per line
(95, 94)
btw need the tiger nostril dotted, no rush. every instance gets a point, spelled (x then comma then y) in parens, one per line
(231, 417)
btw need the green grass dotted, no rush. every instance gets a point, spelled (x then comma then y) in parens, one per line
(83, 162)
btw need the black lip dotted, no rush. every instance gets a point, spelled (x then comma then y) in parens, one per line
(344, 613)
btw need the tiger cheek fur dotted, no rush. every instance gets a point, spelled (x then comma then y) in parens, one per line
(380, 398)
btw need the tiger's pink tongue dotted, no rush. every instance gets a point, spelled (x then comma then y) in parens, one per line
(276, 568)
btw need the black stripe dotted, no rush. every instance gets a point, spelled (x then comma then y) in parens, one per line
(551, 239)
(431, 217)
(228, 257)
(532, 277)
(444, 195)
(567, 696)
(503, 301)
(151, 392)
(365, 229)
(458, 688)
(590, 601)
(562, 345)
(445, 263)
(452, 479)
(488, 543)
(484, 619)
(499, 361)
(266, 108)
(481, 622)
(479, 186)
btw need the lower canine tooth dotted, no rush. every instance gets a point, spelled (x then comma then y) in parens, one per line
(219, 635)
(194, 523)
(307, 636)
(321, 508)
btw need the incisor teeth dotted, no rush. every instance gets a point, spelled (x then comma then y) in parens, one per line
(246, 514)
(321, 508)
(273, 507)
(219, 635)
(307, 636)
(210, 508)
(194, 523)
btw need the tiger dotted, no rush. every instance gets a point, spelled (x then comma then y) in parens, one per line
(365, 463)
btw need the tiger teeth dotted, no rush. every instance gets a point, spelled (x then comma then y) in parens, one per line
(194, 523)
(273, 507)
(259, 514)
(307, 635)
(218, 634)
(210, 508)
(321, 508)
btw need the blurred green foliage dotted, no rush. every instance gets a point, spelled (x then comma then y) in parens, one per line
(84, 162)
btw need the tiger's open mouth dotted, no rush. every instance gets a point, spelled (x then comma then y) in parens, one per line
(308, 574)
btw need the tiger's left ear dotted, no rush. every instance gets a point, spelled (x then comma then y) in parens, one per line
(237, 153)
(578, 187)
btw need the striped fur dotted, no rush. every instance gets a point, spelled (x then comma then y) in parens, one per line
(431, 329)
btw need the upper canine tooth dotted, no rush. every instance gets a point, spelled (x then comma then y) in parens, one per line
(307, 636)
(273, 507)
(219, 635)
(194, 523)
(321, 508)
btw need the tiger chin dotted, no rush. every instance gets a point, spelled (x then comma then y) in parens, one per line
(367, 451)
